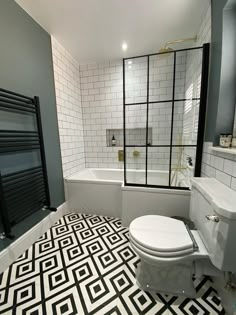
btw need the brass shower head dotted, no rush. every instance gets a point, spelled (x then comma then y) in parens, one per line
(165, 49)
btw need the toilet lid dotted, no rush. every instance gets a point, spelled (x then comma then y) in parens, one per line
(159, 233)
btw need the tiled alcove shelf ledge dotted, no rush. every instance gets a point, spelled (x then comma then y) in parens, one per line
(134, 136)
(229, 151)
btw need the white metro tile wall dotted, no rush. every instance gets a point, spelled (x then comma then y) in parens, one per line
(192, 87)
(69, 110)
(218, 165)
(136, 80)
(161, 76)
(193, 79)
(102, 103)
(95, 92)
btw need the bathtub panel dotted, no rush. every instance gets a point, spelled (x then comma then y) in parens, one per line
(92, 198)
(138, 202)
(100, 191)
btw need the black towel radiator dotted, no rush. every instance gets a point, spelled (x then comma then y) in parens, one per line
(26, 191)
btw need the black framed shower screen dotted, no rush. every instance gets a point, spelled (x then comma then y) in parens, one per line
(146, 101)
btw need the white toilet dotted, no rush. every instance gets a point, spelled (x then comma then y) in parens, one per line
(171, 254)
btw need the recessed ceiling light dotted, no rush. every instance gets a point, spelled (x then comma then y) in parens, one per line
(124, 46)
(130, 62)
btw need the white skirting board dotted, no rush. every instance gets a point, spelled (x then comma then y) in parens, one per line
(17, 248)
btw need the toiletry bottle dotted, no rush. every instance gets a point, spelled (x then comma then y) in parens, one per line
(113, 141)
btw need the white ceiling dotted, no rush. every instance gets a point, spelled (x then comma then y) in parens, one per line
(93, 30)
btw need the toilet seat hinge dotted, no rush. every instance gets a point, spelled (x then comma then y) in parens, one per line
(195, 245)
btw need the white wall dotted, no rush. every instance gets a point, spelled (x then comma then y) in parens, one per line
(204, 32)
(69, 110)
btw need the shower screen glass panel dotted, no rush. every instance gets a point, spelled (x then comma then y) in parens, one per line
(158, 166)
(136, 80)
(185, 122)
(164, 112)
(135, 120)
(135, 163)
(182, 166)
(159, 119)
(161, 77)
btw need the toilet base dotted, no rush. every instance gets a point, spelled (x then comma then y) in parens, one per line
(171, 279)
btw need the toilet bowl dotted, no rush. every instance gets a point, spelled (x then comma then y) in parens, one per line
(168, 253)
(171, 254)
(160, 239)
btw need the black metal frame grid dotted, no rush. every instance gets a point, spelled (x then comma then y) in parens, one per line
(201, 121)
(24, 192)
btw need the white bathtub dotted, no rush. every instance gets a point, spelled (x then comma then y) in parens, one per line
(101, 191)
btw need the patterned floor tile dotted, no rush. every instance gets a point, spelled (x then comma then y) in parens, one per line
(85, 265)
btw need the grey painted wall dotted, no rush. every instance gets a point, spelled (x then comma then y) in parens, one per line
(221, 93)
(227, 93)
(215, 67)
(26, 67)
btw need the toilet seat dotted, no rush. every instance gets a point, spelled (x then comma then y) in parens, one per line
(159, 253)
(161, 236)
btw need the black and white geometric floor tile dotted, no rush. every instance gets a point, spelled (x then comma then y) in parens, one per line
(85, 265)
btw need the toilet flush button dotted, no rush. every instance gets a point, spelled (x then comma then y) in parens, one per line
(213, 218)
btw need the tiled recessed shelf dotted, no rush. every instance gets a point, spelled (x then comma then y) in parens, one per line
(134, 136)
